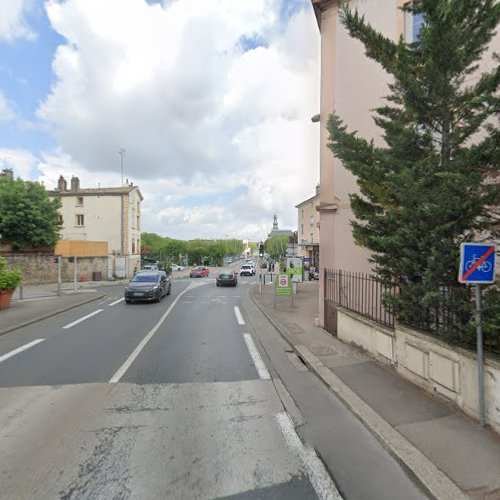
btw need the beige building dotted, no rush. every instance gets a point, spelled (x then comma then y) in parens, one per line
(111, 215)
(308, 229)
(352, 85)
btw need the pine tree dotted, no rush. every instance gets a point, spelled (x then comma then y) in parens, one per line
(433, 183)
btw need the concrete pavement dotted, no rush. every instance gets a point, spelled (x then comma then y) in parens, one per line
(436, 443)
(448, 453)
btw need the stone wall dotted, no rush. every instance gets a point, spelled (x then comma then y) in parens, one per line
(42, 268)
(428, 362)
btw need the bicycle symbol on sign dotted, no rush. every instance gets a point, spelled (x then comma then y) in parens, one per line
(484, 267)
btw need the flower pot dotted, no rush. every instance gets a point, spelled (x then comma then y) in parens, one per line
(5, 298)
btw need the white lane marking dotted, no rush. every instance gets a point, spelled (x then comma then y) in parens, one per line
(126, 365)
(84, 318)
(239, 317)
(20, 349)
(320, 479)
(257, 360)
(116, 302)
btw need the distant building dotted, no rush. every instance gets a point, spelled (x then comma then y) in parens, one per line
(110, 214)
(308, 229)
(276, 231)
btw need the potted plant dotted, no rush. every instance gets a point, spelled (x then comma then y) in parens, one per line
(9, 279)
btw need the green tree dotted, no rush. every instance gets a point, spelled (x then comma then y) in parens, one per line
(429, 187)
(275, 246)
(28, 217)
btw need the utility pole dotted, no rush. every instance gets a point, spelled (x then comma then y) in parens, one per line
(121, 152)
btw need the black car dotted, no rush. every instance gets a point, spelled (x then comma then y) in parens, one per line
(150, 285)
(227, 277)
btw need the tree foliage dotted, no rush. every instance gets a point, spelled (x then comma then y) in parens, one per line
(433, 183)
(275, 246)
(156, 247)
(28, 217)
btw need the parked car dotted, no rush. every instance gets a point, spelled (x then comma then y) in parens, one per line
(247, 270)
(149, 267)
(175, 267)
(198, 272)
(227, 277)
(148, 285)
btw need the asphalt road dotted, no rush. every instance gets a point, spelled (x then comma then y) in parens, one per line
(193, 397)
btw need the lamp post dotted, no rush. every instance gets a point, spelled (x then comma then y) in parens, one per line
(121, 152)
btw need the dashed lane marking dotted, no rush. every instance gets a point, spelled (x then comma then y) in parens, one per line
(83, 319)
(116, 302)
(257, 360)
(20, 349)
(239, 317)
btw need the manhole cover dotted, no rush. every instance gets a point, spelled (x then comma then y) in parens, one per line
(323, 350)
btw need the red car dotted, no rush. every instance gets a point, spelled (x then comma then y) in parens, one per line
(198, 272)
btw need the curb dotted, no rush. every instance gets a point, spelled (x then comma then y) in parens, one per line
(428, 475)
(48, 315)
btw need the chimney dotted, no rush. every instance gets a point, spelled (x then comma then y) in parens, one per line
(62, 185)
(75, 183)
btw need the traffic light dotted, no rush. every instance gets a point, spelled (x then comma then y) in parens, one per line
(261, 250)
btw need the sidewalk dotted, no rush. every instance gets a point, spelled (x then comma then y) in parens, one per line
(429, 436)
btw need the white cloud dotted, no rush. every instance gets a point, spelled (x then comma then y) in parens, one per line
(198, 116)
(6, 109)
(22, 162)
(12, 20)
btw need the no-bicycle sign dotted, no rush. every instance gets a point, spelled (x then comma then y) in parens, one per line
(477, 263)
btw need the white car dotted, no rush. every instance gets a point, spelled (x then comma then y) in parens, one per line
(175, 267)
(247, 270)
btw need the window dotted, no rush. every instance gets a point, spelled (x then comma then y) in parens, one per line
(133, 246)
(312, 238)
(79, 201)
(302, 228)
(413, 24)
(79, 220)
(311, 220)
(133, 219)
(302, 213)
(60, 218)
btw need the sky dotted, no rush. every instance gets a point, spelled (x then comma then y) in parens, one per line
(210, 99)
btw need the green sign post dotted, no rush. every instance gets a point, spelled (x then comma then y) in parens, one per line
(283, 287)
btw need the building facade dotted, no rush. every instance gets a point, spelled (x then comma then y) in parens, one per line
(353, 85)
(308, 230)
(112, 215)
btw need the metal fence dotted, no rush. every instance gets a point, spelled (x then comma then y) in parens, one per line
(357, 292)
(447, 314)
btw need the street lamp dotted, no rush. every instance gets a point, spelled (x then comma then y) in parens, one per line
(121, 152)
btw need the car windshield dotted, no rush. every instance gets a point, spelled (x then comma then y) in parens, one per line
(145, 278)
(227, 271)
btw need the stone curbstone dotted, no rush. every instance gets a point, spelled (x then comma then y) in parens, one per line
(427, 474)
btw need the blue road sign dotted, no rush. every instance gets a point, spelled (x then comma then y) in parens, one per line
(477, 263)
